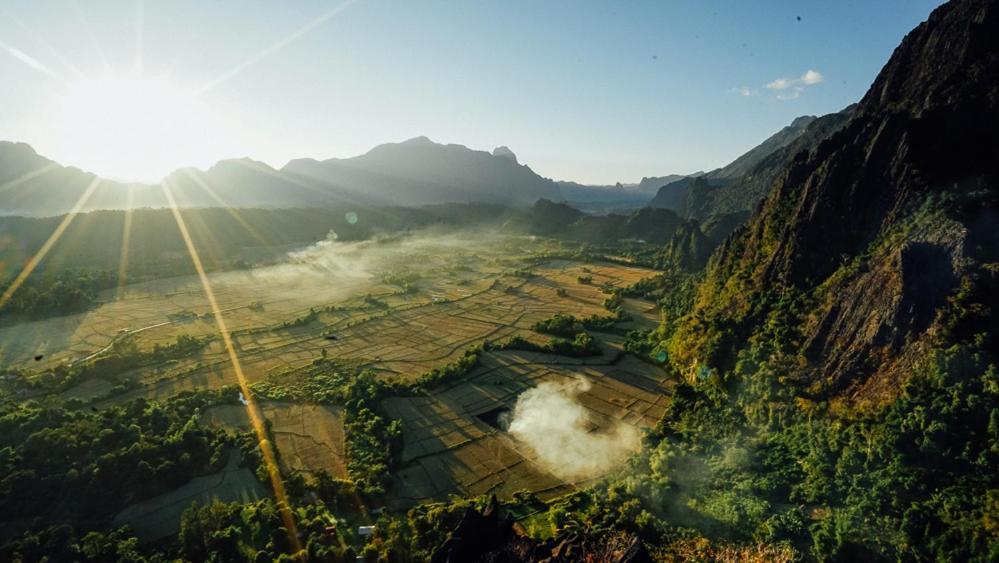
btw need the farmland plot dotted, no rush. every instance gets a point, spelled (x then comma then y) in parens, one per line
(451, 445)
(308, 438)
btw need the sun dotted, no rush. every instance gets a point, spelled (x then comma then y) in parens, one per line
(133, 128)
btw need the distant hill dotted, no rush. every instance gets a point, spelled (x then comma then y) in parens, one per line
(753, 156)
(740, 185)
(617, 195)
(744, 192)
(561, 220)
(641, 192)
(420, 171)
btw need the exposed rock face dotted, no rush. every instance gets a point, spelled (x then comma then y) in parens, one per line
(490, 537)
(882, 220)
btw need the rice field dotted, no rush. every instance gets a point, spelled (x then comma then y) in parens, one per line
(308, 438)
(399, 308)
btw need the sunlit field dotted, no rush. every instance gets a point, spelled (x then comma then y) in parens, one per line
(400, 307)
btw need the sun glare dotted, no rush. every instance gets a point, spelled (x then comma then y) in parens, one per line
(134, 128)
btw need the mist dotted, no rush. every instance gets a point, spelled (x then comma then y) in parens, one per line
(554, 424)
(362, 260)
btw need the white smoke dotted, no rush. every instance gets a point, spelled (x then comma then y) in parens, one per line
(553, 423)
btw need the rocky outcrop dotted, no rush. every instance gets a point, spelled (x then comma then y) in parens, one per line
(882, 221)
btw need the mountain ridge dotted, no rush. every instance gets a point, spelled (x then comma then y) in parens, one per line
(883, 228)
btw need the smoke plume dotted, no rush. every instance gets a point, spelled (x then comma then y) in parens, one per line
(553, 423)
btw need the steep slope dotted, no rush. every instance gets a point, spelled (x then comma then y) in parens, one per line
(883, 240)
(692, 243)
(419, 171)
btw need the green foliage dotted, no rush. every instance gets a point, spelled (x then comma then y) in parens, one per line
(78, 468)
(746, 457)
(582, 345)
(255, 532)
(371, 439)
(560, 325)
(304, 320)
(123, 356)
(66, 292)
(452, 371)
(568, 326)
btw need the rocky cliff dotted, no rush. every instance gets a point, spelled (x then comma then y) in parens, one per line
(885, 227)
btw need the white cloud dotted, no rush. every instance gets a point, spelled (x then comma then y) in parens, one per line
(784, 88)
(791, 88)
(780, 84)
(811, 77)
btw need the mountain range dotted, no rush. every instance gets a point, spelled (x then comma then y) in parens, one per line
(411, 173)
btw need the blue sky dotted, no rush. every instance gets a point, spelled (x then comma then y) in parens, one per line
(588, 91)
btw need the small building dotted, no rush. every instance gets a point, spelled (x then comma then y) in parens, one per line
(365, 530)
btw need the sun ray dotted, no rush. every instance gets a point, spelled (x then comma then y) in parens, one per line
(28, 176)
(253, 412)
(126, 236)
(295, 179)
(45, 44)
(53, 238)
(194, 175)
(90, 34)
(30, 62)
(260, 55)
(140, 14)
